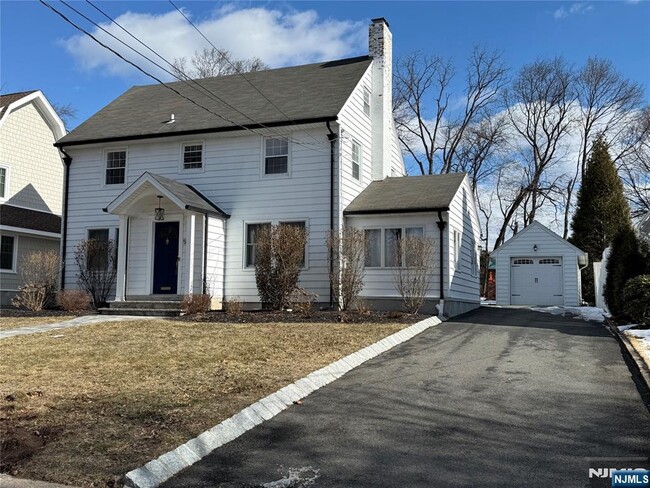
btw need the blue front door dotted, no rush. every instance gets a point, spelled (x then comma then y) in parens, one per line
(165, 258)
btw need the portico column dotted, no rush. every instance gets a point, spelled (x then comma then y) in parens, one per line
(120, 285)
(189, 243)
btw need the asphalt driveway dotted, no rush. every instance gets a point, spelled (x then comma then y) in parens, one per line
(499, 397)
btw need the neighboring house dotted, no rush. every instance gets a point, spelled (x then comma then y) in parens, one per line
(538, 267)
(31, 183)
(309, 145)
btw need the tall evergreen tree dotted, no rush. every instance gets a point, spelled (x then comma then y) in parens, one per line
(601, 211)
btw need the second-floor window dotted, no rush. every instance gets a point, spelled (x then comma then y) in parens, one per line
(356, 160)
(193, 156)
(276, 155)
(3, 182)
(115, 167)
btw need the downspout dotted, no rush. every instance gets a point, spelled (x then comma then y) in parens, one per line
(205, 254)
(67, 161)
(441, 225)
(332, 137)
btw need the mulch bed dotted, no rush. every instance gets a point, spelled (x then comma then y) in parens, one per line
(320, 316)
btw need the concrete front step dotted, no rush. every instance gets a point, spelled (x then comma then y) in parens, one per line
(146, 304)
(141, 312)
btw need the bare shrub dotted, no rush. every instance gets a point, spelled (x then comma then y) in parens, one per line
(413, 278)
(97, 267)
(361, 307)
(73, 300)
(39, 271)
(347, 248)
(302, 301)
(233, 306)
(279, 258)
(196, 303)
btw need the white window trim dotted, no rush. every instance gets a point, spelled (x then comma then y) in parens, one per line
(105, 162)
(382, 234)
(263, 174)
(14, 261)
(4, 198)
(246, 223)
(181, 164)
(352, 143)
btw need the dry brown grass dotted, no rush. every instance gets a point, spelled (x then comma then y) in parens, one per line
(113, 396)
(7, 323)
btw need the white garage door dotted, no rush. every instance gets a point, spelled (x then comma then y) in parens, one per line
(536, 281)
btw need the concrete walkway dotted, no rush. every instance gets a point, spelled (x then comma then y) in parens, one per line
(67, 324)
(495, 398)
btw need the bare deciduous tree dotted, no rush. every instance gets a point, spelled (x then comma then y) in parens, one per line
(430, 130)
(279, 257)
(97, 268)
(413, 278)
(214, 62)
(347, 249)
(39, 271)
(66, 112)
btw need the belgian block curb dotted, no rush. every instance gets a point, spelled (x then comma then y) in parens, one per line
(638, 368)
(159, 470)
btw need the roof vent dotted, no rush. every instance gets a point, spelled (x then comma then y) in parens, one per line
(171, 120)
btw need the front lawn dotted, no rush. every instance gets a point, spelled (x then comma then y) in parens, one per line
(8, 323)
(88, 407)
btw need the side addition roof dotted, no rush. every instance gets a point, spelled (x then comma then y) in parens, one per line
(304, 94)
(407, 194)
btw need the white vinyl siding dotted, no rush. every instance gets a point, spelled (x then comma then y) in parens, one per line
(231, 179)
(216, 257)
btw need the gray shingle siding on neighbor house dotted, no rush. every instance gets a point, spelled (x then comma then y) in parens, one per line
(407, 194)
(306, 93)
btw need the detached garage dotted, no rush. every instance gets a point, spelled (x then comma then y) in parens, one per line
(538, 267)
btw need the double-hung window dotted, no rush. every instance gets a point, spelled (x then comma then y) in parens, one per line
(97, 258)
(276, 156)
(252, 231)
(383, 246)
(356, 160)
(7, 250)
(115, 167)
(193, 156)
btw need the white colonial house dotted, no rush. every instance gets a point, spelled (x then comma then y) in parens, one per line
(312, 145)
(31, 184)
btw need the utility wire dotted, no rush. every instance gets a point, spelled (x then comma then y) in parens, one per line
(166, 85)
(238, 71)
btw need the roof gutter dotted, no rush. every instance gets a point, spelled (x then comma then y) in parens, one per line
(234, 128)
(396, 211)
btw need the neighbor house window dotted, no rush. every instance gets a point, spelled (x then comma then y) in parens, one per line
(356, 160)
(383, 246)
(115, 167)
(192, 156)
(97, 257)
(3, 182)
(366, 101)
(251, 244)
(7, 249)
(276, 155)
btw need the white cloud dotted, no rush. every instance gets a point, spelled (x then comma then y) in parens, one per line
(278, 37)
(574, 9)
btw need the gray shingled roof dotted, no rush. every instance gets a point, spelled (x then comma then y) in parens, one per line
(29, 219)
(9, 98)
(304, 93)
(407, 194)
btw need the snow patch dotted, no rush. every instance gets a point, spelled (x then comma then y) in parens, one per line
(623, 328)
(296, 477)
(585, 313)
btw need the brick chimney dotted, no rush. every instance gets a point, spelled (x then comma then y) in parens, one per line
(381, 50)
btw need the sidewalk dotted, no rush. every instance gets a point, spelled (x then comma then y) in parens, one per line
(76, 322)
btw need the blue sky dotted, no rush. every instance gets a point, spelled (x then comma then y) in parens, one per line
(39, 50)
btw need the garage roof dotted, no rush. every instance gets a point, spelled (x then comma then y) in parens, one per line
(536, 225)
